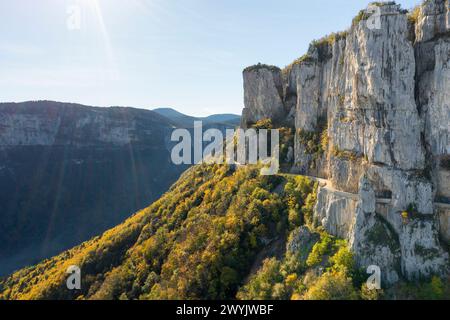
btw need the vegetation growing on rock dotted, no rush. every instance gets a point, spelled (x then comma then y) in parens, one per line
(314, 142)
(286, 139)
(413, 15)
(344, 154)
(260, 66)
(263, 124)
(303, 59)
(328, 41)
(201, 240)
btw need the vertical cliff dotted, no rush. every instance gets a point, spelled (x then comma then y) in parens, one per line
(377, 95)
(263, 96)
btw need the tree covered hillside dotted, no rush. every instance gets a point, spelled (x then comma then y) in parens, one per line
(220, 232)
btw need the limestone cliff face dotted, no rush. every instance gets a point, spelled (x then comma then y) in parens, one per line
(432, 50)
(47, 123)
(381, 96)
(263, 96)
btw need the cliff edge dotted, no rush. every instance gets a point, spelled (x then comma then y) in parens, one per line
(378, 97)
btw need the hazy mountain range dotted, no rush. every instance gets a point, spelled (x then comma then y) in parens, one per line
(187, 121)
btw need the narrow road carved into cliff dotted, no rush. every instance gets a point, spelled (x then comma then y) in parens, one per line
(326, 184)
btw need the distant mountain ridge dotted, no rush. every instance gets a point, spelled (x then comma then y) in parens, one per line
(188, 121)
(54, 123)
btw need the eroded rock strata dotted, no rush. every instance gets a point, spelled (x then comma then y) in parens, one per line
(379, 99)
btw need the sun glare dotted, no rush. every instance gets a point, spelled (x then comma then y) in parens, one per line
(94, 19)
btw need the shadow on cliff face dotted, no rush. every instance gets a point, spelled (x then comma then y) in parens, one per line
(52, 198)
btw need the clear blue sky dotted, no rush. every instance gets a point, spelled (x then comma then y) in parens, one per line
(185, 54)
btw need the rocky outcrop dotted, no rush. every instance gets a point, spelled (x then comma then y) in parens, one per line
(432, 50)
(302, 241)
(363, 80)
(335, 211)
(371, 238)
(263, 96)
(372, 116)
(382, 130)
(433, 20)
(422, 254)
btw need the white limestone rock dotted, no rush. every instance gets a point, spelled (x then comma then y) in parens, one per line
(378, 117)
(371, 239)
(422, 255)
(373, 243)
(263, 95)
(28, 129)
(385, 96)
(301, 242)
(434, 19)
(335, 211)
(308, 90)
(47, 123)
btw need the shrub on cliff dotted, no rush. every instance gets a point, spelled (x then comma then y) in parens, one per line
(413, 15)
(260, 66)
(332, 285)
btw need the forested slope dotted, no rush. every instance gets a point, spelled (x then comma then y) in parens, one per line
(220, 232)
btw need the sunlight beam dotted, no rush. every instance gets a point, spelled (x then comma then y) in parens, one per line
(95, 8)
